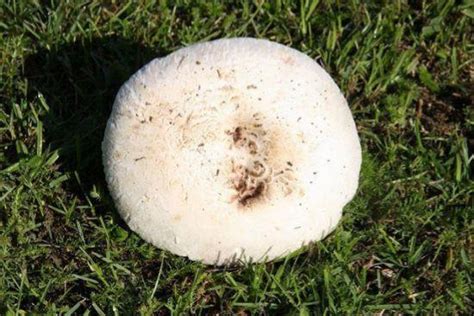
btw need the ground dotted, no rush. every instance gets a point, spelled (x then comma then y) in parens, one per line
(405, 243)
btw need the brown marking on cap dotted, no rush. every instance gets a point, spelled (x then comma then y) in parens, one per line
(270, 151)
(253, 193)
(237, 134)
(180, 62)
(177, 217)
(288, 60)
(227, 88)
(252, 147)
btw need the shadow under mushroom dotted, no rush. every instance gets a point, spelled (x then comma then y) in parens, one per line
(79, 82)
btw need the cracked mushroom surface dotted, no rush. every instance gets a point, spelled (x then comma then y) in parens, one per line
(232, 150)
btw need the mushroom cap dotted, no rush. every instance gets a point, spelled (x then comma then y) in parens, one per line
(232, 150)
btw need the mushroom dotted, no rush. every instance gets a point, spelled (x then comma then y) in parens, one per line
(234, 150)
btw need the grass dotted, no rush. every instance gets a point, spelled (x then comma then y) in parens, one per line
(405, 244)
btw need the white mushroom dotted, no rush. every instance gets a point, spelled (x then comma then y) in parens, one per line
(231, 149)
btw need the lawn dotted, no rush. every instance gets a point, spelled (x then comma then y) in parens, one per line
(405, 243)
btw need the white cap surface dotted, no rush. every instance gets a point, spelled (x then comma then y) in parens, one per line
(231, 149)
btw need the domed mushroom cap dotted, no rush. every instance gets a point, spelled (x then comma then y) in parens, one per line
(231, 149)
